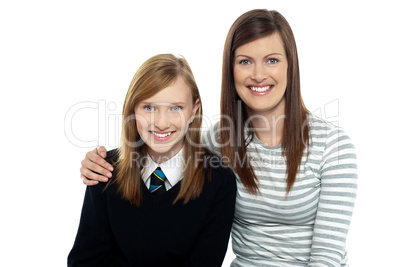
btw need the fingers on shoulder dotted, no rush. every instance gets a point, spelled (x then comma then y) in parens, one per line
(87, 181)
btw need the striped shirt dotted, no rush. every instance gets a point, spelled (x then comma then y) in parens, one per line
(308, 227)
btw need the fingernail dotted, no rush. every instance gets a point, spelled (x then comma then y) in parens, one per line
(103, 154)
(105, 179)
(109, 174)
(110, 168)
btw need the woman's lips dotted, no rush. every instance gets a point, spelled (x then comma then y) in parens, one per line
(260, 90)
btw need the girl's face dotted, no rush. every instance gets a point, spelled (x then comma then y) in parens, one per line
(162, 120)
(260, 75)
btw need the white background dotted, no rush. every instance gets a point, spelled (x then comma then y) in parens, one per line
(57, 57)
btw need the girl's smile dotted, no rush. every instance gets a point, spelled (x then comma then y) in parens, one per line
(162, 120)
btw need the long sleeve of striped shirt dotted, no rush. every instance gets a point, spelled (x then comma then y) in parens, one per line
(338, 192)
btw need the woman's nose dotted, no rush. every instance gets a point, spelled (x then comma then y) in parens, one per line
(259, 73)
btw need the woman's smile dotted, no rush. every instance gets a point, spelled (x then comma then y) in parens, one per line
(260, 75)
(260, 90)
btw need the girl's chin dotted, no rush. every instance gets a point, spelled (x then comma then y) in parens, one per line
(163, 151)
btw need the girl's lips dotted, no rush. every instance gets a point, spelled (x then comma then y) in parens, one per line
(161, 136)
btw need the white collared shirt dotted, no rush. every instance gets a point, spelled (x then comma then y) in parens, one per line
(172, 168)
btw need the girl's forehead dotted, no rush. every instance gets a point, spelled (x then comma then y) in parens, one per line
(177, 92)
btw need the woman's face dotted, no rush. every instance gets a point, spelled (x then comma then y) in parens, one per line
(260, 75)
(162, 120)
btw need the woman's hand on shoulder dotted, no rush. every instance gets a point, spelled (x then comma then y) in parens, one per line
(94, 168)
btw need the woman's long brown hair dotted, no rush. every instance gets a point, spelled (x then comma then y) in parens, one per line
(154, 75)
(248, 27)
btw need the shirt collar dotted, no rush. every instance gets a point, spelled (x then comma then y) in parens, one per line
(172, 168)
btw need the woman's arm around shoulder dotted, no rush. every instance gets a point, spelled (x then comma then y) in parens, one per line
(95, 168)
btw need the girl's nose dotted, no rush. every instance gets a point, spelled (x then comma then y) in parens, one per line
(162, 121)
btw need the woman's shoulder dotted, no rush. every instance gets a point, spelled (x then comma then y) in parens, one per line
(324, 128)
(326, 134)
(317, 123)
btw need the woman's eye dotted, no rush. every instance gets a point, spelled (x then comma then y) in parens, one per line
(244, 62)
(272, 61)
(176, 108)
(149, 108)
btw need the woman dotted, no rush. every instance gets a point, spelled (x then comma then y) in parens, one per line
(297, 174)
(160, 210)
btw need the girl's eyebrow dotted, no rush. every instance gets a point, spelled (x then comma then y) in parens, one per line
(179, 104)
(164, 103)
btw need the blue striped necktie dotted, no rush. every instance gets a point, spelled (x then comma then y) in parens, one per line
(158, 179)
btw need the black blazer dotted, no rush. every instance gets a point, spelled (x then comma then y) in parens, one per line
(113, 232)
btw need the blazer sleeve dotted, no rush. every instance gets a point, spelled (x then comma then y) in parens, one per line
(212, 243)
(336, 202)
(94, 240)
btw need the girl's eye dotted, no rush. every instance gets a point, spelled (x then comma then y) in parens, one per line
(272, 61)
(176, 108)
(244, 62)
(149, 108)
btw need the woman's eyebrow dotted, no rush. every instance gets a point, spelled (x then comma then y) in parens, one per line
(269, 55)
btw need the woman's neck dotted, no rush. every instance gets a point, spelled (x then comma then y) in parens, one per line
(269, 126)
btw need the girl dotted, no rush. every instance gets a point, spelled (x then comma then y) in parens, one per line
(297, 174)
(161, 210)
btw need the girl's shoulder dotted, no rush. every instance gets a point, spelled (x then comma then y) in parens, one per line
(112, 156)
(210, 138)
(216, 168)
